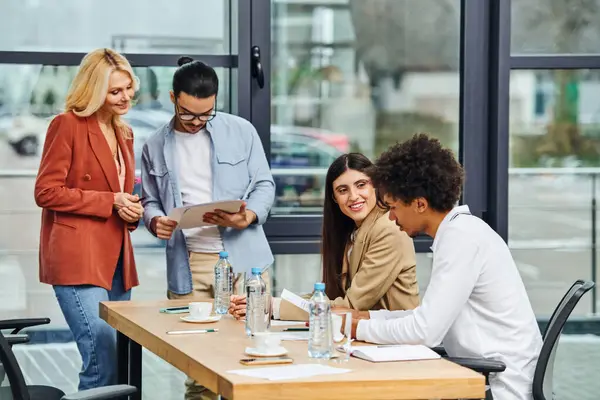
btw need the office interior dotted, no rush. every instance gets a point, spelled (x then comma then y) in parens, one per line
(510, 85)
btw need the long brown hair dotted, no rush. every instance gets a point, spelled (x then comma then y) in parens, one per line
(337, 227)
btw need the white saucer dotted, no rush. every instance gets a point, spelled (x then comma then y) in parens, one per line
(212, 318)
(275, 352)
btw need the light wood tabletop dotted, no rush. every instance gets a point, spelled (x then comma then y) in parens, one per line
(207, 358)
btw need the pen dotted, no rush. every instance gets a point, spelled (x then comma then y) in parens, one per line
(296, 330)
(191, 331)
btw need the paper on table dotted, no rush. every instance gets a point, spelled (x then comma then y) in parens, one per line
(295, 300)
(277, 322)
(289, 371)
(192, 216)
(294, 336)
(400, 352)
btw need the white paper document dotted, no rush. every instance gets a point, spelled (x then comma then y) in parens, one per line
(402, 352)
(289, 371)
(277, 322)
(294, 336)
(295, 300)
(192, 216)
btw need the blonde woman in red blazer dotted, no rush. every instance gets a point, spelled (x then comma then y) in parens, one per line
(84, 187)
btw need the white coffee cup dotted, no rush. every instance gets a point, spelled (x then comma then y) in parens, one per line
(265, 341)
(336, 325)
(200, 310)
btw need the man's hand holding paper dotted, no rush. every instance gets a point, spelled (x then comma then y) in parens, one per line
(239, 220)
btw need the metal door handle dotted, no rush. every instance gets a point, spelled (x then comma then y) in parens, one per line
(257, 69)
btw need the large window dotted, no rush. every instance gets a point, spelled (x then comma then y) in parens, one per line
(553, 159)
(30, 95)
(133, 26)
(356, 76)
(36, 68)
(555, 27)
(339, 76)
(554, 137)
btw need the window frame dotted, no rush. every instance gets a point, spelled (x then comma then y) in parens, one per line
(482, 43)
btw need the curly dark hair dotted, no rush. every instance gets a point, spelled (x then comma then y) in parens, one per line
(419, 167)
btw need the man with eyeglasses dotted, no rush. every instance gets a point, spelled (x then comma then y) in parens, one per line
(201, 156)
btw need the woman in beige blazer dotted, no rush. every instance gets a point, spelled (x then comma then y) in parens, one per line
(368, 262)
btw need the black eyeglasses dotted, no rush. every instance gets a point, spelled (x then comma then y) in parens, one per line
(187, 116)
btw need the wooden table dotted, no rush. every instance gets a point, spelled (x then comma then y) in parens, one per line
(207, 358)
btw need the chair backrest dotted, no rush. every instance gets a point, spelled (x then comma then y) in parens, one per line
(561, 304)
(16, 381)
(542, 378)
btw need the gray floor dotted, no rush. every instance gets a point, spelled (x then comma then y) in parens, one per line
(577, 370)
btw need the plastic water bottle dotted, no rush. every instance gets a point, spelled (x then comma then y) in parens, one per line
(223, 283)
(256, 298)
(320, 339)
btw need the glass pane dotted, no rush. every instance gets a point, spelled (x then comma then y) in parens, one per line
(133, 26)
(29, 96)
(555, 27)
(356, 76)
(554, 181)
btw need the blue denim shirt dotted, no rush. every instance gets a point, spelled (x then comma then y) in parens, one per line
(237, 156)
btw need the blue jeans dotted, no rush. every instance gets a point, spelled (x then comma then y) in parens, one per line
(96, 340)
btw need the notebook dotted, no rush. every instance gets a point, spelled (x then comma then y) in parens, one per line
(402, 352)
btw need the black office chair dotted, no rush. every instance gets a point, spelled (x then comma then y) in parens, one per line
(14, 337)
(544, 371)
(542, 378)
(19, 390)
(16, 325)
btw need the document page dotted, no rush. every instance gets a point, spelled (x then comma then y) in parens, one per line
(401, 352)
(192, 216)
(296, 300)
(289, 371)
(277, 322)
(294, 336)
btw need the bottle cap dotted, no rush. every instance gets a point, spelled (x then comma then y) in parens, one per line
(319, 286)
(223, 254)
(256, 271)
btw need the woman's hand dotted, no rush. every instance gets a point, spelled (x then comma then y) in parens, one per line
(123, 199)
(131, 214)
(128, 207)
(237, 306)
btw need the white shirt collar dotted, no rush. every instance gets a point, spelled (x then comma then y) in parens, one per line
(464, 209)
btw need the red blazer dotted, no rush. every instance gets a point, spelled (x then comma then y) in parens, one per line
(82, 236)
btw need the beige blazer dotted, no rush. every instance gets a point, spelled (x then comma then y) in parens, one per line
(380, 273)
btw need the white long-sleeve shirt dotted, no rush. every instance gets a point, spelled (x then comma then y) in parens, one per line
(475, 303)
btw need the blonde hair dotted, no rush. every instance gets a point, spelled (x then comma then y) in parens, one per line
(89, 88)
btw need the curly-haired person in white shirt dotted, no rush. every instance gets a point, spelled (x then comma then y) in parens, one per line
(475, 303)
